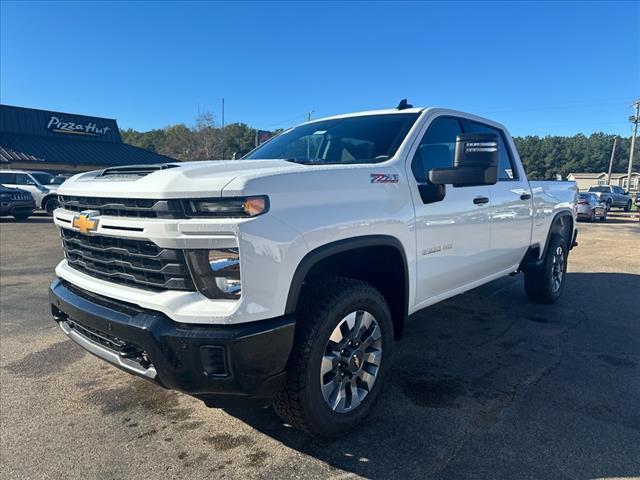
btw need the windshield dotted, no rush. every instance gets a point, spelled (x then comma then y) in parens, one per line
(599, 189)
(46, 179)
(366, 139)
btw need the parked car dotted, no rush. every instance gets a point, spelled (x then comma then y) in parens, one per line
(42, 185)
(589, 207)
(614, 196)
(60, 179)
(285, 277)
(16, 203)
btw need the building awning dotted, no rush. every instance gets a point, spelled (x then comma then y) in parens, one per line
(15, 147)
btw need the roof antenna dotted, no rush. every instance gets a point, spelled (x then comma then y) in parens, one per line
(403, 105)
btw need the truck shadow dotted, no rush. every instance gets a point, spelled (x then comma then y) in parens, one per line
(487, 384)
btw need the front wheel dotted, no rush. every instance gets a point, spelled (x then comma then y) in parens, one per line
(50, 205)
(627, 206)
(340, 358)
(544, 283)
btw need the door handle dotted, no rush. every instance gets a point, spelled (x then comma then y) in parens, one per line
(525, 196)
(480, 200)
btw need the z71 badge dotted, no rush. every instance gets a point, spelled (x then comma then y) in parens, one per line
(384, 178)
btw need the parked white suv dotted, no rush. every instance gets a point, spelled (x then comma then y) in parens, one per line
(285, 277)
(42, 185)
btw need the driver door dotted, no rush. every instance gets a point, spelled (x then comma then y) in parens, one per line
(452, 234)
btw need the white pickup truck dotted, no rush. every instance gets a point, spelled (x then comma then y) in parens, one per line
(284, 278)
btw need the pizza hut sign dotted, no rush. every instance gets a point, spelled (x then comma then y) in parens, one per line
(60, 125)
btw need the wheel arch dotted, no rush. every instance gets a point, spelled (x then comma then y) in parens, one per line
(362, 258)
(563, 222)
(46, 198)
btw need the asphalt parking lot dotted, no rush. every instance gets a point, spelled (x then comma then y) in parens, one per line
(484, 385)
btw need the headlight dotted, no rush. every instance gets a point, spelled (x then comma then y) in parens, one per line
(238, 207)
(5, 196)
(216, 273)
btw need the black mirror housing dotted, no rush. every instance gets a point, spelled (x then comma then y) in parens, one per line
(475, 162)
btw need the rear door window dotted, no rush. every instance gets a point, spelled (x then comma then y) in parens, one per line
(24, 179)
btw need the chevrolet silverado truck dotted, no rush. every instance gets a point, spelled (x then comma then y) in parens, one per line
(613, 196)
(284, 278)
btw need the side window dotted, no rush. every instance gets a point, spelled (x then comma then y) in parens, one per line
(436, 148)
(8, 178)
(506, 170)
(23, 179)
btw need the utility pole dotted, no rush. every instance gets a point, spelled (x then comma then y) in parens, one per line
(222, 129)
(613, 152)
(635, 119)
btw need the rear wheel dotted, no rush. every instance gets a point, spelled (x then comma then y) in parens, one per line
(544, 284)
(340, 358)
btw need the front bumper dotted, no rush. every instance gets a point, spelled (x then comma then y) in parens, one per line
(221, 365)
(15, 207)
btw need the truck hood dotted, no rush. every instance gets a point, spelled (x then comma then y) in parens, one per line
(175, 180)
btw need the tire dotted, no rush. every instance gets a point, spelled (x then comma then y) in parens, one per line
(21, 217)
(627, 206)
(325, 307)
(540, 283)
(50, 205)
(603, 217)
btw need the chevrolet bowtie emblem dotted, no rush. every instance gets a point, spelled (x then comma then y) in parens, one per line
(85, 223)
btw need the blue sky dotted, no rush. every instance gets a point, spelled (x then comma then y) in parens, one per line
(540, 68)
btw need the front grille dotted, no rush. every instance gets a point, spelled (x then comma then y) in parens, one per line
(21, 196)
(124, 207)
(135, 263)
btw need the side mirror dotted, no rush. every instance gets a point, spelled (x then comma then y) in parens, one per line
(475, 163)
